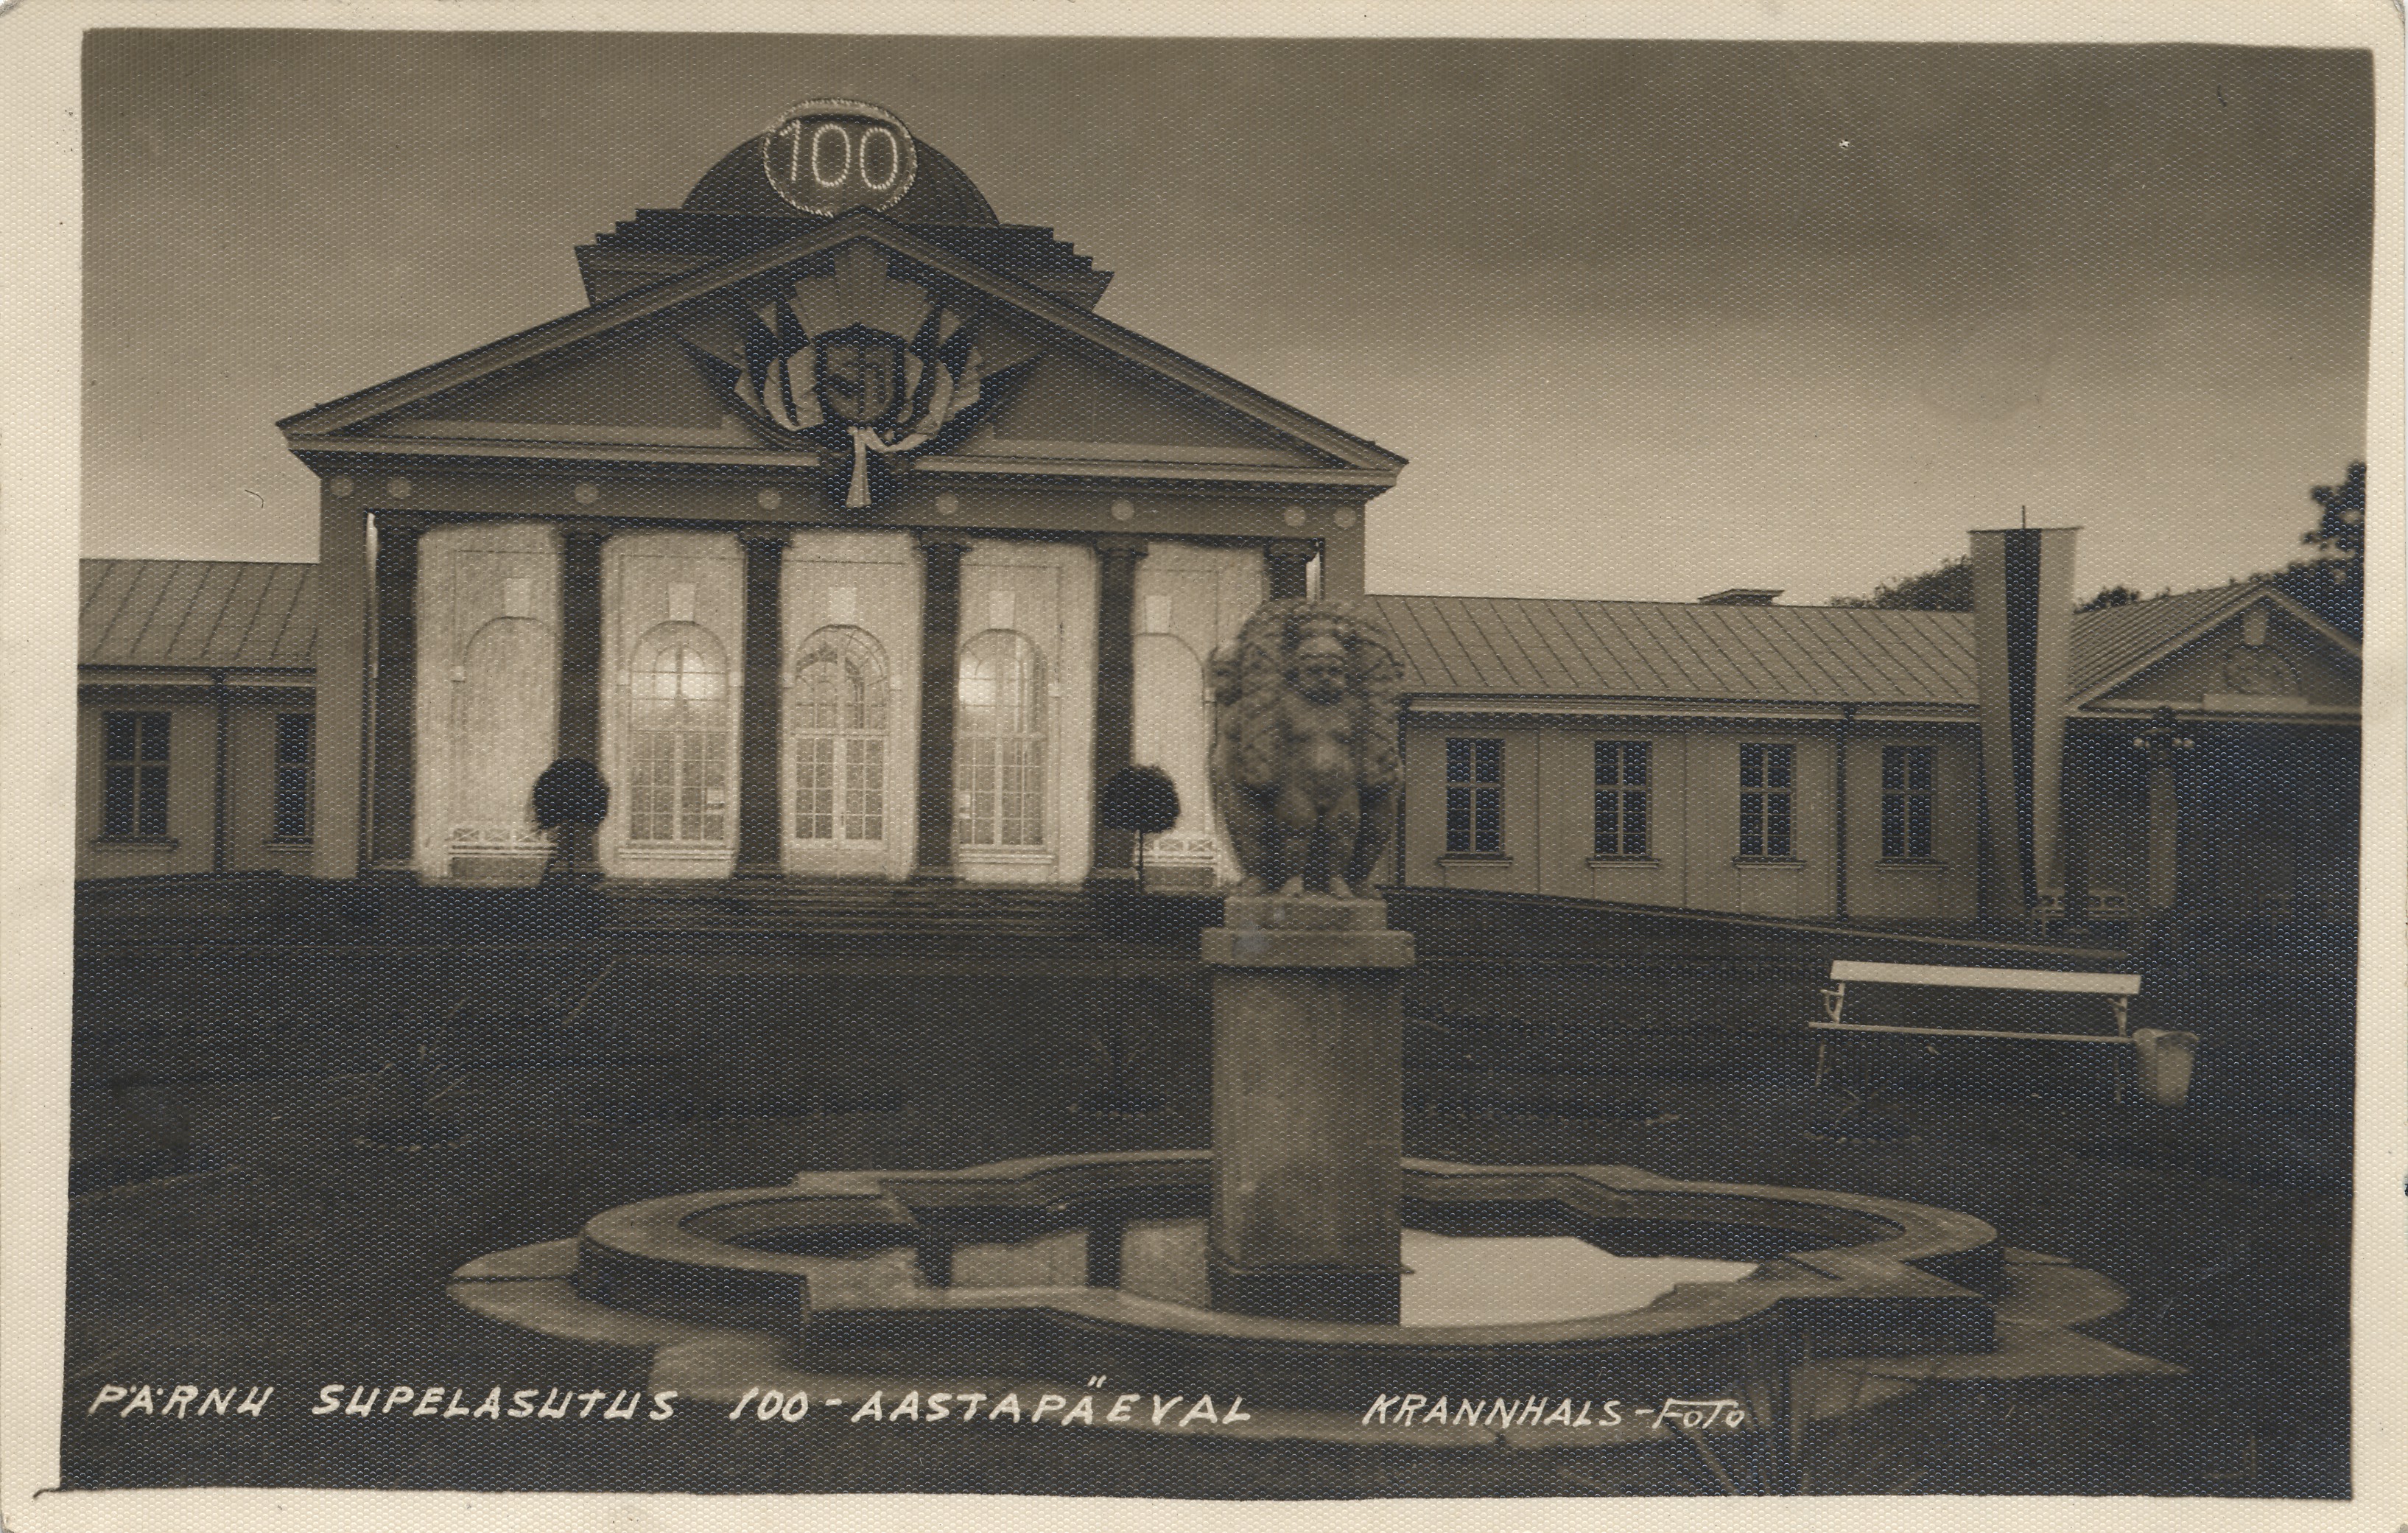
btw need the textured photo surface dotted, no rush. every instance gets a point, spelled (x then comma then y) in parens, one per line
(1298, 769)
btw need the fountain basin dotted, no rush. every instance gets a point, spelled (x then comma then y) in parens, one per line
(1084, 1265)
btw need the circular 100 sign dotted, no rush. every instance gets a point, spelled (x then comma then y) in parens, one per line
(830, 157)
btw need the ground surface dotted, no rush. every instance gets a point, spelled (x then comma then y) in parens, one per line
(281, 1155)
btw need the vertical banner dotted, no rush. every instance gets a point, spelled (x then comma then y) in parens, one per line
(2023, 613)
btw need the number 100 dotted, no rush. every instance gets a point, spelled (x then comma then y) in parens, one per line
(833, 156)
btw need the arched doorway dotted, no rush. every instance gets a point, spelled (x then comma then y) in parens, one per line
(1000, 744)
(677, 739)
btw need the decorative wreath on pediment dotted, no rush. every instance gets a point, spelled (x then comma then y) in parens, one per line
(2254, 670)
(860, 355)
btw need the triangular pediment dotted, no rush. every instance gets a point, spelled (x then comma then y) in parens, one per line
(1020, 382)
(2259, 651)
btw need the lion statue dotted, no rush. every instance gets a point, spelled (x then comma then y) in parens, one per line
(1304, 748)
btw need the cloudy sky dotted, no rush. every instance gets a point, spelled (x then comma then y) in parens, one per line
(1649, 318)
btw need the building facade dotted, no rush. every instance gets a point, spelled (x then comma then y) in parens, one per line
(1829, 762)
(838, 532)
(844, 541)
(197, 719)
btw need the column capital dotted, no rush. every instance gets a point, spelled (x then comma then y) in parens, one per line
(580, 531)
(1122, 545)
(767, 540)
(1287, 558)
(393, 524)
(932, 538)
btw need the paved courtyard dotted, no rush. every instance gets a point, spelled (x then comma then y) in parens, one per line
(278, 1159)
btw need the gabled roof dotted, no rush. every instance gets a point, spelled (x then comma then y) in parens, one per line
(311, 427)
(2112, 643)
(1470, 645)
(203, 614)
(1534, 648)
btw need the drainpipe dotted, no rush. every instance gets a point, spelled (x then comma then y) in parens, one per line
(1840, 811)
(218, 783)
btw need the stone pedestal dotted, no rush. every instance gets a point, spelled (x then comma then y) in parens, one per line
(1307, 1108)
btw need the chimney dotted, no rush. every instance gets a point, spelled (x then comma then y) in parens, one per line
(2023, 615)
(1738, 596)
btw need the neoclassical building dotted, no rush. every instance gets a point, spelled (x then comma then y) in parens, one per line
(838, 531)
(846, 541)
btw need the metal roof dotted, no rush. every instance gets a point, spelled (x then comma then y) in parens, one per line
(1531, 646)
(211, 614)
(2111, 640)
(206, 613)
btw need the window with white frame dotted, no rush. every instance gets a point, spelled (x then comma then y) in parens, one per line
(1621, 807)
(1766, 773)
(838, 711)
(134, 776)
(1906, 802)
(1475, 776)
(677, 743)
(1001, 743)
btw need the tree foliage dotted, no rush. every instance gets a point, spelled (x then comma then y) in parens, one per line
(1948, 589)
(1138, 799)
(2114, 596)
(2332, 585)
(1141, 798)
(2339, 533)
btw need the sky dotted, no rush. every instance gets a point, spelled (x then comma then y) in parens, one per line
(1649, 319)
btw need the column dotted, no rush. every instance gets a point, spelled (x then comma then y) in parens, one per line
(337, 833)
(581, 683)
(2161, 746)
(2074, 851)
(2164, 867)
(1115, 693)
(759, 820)
(392, 796)
(1840, 811)
(941, 642)
(1287, 557)
(218, 707)
(1341, 555)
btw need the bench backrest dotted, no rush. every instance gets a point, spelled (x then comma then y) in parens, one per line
(1986, 979)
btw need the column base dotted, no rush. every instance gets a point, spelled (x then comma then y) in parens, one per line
(573, 862)
(1348, 1294)
(935, 875)
(758, 874)
(389, 873)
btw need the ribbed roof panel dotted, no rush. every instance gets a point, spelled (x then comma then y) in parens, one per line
(202, 613)
(1536, 646)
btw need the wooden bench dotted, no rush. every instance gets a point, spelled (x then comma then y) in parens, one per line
(2118, 988)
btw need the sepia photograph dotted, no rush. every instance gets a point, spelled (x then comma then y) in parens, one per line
(1203, 770)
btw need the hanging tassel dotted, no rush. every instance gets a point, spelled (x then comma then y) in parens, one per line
(859, 498)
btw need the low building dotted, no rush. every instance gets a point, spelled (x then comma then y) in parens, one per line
(195, 732)
(1829, 762)
(1705, 756)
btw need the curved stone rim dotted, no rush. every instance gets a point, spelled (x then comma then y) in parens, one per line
(1934, 1259)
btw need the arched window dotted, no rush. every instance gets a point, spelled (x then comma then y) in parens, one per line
(677, 738)
(502, 733)
(999, 749)
(838, 708)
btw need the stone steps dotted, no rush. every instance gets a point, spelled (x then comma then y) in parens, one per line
(878, 912)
